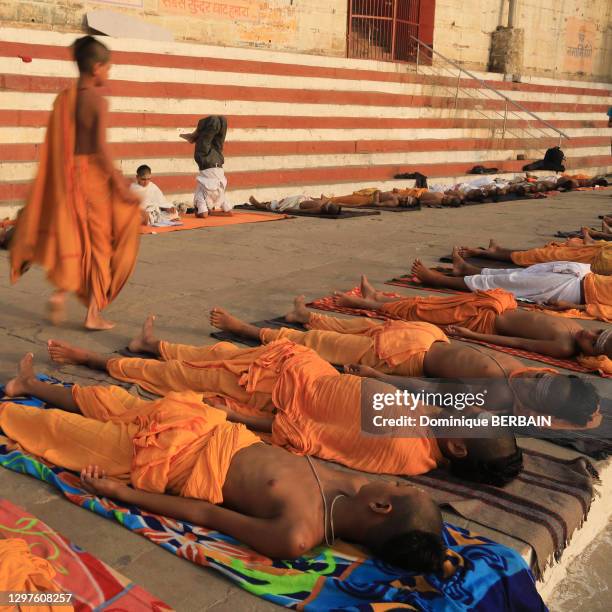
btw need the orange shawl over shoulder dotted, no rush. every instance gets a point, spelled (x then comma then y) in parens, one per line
(73, 224)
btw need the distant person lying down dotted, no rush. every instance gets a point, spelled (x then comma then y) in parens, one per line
(301, 203)
(560, 285)
(598, 254)
(186, 461)
(397, 198)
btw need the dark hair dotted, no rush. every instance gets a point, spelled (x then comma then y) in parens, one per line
(142, 170)
(416, 550)
(88, 51)
(497, 472)
(573, 399)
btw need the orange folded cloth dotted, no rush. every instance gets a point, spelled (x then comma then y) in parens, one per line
(23, 571)
(476, 311)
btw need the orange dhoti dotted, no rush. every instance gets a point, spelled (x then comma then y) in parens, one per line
(363, 197)
(394, 347)
(476, 311)
(176, 444)
(73, 224)
(320, 415)
(559, 252)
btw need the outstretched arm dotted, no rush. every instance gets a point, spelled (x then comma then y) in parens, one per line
(271, 537)
(544, 347)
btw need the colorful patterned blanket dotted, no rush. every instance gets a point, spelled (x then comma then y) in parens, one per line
(479, 575)
(94, 584)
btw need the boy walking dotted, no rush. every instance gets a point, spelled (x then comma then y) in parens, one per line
(81, 223)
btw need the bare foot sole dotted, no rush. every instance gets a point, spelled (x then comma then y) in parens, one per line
(300, 313)
(142, 343)
(25, 374)
(56, 309)
(221, 319)
(64, 353)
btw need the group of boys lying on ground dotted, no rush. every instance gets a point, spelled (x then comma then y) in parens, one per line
(194, 455)
(478, 190)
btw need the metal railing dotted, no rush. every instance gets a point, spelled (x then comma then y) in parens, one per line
(486, 88)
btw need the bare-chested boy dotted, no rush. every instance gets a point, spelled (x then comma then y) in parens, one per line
(488, 316)
(81, 222)
(396, 349)
(186, 461)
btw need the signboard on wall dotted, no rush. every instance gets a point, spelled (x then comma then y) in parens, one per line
(579, 45)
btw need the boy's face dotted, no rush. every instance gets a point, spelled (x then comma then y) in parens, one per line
(100, 72)
(143, 180)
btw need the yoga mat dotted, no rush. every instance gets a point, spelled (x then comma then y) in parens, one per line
(192, 222)
(94, 584)
(344, 214)
(479, 575)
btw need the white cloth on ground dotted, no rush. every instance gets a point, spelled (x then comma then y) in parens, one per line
(288, 203)
(152, 201)
(210, 191)
(543, 282)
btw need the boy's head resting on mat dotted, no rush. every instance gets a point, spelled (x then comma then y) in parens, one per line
(92, 58)
(143, 175)
(594, 342)
(495, 461)
(401, 525)
(570, 397)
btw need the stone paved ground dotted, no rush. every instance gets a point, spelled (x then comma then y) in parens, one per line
(255, 270)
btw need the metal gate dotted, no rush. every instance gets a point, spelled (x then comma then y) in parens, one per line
(382, 29)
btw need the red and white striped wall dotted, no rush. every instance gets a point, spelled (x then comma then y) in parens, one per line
(297, 123)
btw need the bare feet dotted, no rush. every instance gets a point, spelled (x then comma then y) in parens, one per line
(586, 235)
(95, 321)
(221, 319)
(189, 137)
(460, 266)
(145, 342)
(367, 289)
(300, 313)
(424, 274)
(254, 201)
(62, 352)
(25, 375)
(56, 307)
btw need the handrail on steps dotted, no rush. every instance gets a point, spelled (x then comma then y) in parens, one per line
(420, 44)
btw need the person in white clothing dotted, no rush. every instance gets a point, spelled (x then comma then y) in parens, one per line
(543, 283)
(209, 138)
(156, 209)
